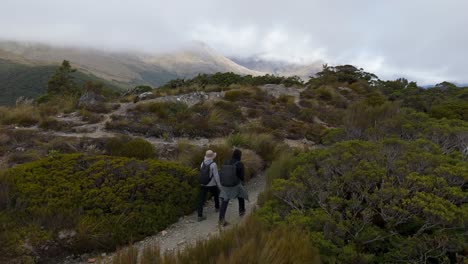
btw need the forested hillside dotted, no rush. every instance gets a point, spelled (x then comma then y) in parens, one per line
(30, 81)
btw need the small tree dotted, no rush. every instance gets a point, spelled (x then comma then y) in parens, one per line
(61, 82)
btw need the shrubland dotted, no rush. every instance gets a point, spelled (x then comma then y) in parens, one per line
(388, 185)
(385, 182)
(75, 203)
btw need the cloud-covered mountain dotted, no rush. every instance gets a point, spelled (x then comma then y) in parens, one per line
(278, 67)
(126, 68)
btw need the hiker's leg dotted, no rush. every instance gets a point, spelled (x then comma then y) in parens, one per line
(201, 200)
(241, 206)
(222, 211)
(215, 192)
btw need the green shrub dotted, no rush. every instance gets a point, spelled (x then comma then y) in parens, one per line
(374, 202)
(128, 147)
(107, 201)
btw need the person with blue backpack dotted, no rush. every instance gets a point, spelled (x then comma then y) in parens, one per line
(230, 179)
(209, 182)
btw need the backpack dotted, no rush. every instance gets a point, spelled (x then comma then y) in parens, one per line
(228, 175)
(205, 173)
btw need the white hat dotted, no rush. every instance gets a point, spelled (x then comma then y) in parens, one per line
(210, 154)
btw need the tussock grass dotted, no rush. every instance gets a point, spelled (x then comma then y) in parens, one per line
(281, 167)
(22, 115)
(252, 242)
(128, 255)
(192, 156)
(57, 104)
(265, 145)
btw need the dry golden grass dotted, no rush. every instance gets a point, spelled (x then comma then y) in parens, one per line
(251, 243)
(22, 115)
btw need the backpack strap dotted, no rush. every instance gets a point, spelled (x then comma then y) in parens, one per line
(211, 172)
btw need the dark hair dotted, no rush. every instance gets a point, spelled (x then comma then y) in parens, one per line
(237, 154)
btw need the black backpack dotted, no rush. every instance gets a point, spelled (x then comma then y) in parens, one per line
(205, 175)
(228, 175)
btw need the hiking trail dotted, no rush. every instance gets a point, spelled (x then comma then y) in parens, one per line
(187, 231)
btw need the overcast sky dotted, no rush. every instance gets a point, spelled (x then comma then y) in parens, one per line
(424, 40)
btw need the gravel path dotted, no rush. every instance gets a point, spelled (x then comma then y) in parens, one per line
(188, 230)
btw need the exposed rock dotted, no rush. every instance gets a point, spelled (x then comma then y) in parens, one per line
(164, 233)
(320, 122)
(181, 242)
(23, 101)
(66, 234)
(90, 99)
(84, 129)
(137, 90)
(192, 98)
(145, 96)
(91, 260)
(345, 89)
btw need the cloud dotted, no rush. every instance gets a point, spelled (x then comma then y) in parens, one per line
(421, 40)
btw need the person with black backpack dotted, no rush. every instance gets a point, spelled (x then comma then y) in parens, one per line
(209, 182)
(231, 178)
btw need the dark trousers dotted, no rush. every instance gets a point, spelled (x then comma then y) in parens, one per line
(202, 196)
(224, 205)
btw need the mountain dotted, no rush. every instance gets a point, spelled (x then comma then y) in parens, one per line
(279, 67)
(126, 68)
(25, 67)
(30, 80)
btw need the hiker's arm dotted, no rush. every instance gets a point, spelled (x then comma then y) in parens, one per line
(240, 171)
(216, 174)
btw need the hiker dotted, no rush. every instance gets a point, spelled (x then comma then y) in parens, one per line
(231, 178)
(209, 182)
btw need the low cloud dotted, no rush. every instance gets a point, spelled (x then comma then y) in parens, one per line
(421, 40)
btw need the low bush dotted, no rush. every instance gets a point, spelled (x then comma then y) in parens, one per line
(22, 157)
(375, 202)
(237, 95)
(128, 147)
(73, 203)
(50, 123)
(90, 117)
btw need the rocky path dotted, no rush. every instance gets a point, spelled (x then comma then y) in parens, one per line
(187, 231)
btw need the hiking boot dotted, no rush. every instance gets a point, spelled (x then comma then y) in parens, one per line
(223, 223)
(241, 213)
(201, 218)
